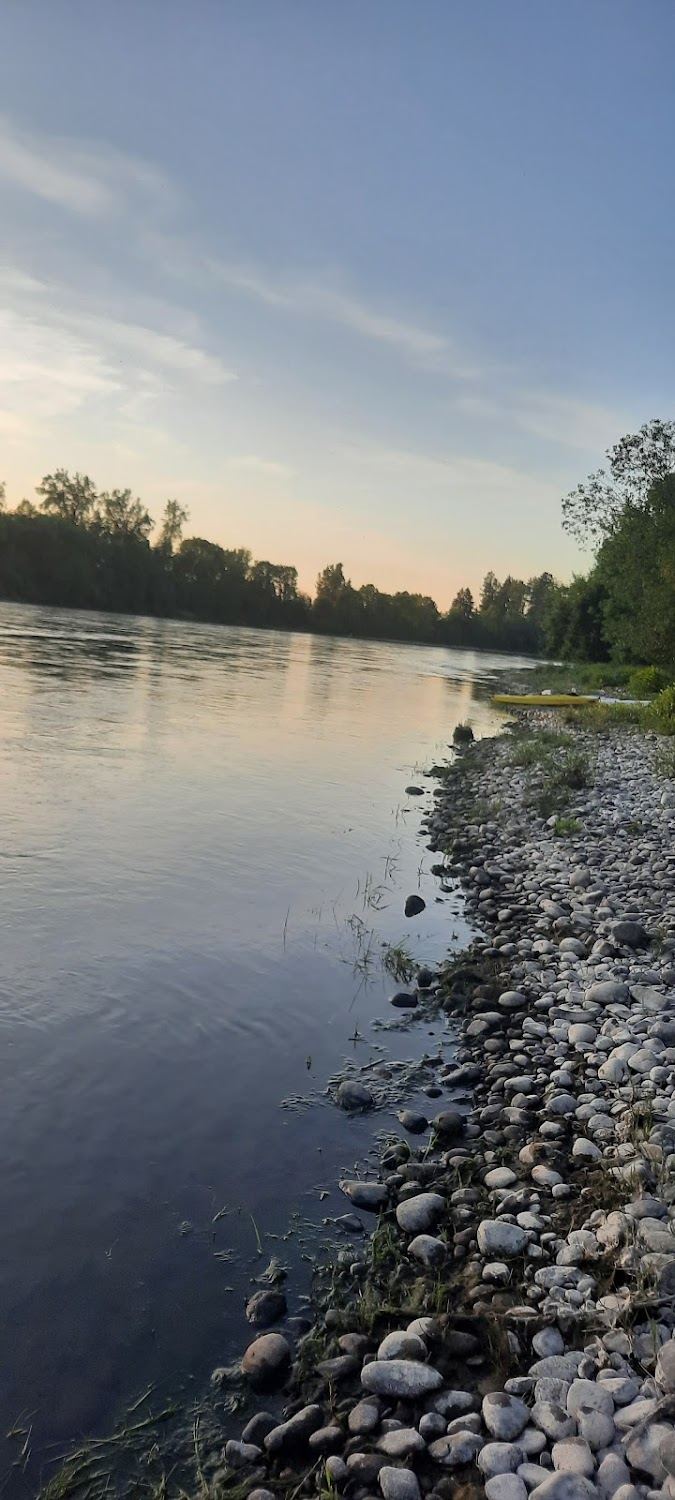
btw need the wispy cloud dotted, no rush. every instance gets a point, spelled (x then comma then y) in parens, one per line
(314, 297)
(457, 475)
(57, 356)
(270, 468)
(94, 181)
(564, 420)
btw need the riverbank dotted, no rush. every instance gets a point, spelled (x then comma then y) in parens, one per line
(503, 1328)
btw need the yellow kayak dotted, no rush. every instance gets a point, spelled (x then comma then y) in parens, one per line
(543, 700)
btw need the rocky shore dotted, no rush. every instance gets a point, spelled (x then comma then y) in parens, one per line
(507, 1327)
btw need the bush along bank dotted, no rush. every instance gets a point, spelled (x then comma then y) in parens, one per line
(509, 1328)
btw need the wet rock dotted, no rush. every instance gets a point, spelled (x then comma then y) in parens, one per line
(354, 1096)
(264, 1308)
(420, 1213)
(292, 1436)
(414, 791)
(241, 1455)
(404, 1000)
(371, 1196)
(267, 1361)
(257, 1429)
(415, 1124)
(413, 906)
(448, 1124)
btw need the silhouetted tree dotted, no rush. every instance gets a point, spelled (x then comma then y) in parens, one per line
(71, 498)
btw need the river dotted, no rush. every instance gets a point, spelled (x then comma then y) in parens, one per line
(205, 842)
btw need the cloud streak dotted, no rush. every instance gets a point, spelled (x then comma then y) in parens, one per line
(57, 358)
(308, 297)
(92, 182)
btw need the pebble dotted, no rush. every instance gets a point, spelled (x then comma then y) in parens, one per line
(267, 1361)
(504, 1416)
(400, 1377)
(352, 1095)
(498, 1237)
(506, 1487)
(420, 1213)
(371, 1196)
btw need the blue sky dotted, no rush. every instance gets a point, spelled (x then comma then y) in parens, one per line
(368, 280)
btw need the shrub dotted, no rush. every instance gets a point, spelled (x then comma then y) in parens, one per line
(646, 682)
(663, 711)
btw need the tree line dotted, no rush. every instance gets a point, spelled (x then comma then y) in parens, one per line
(81, 547)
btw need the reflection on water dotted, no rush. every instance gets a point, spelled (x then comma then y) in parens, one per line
(192, 821)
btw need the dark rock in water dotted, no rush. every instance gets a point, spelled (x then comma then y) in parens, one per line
(403, 1000)
(257, 1429)
(353, 1095)
(414, 791)
(292, 1435)
(241, 1455)
(415, 1123)
(448, 1123)
(267, 1361)
(425, 978)
(462, 734)
(629, 934)
(264, 1308)
(432, 1092)
(371, 1196)
(414, 905)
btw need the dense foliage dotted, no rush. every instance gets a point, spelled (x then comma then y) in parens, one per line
(625, 608)
(91, 549)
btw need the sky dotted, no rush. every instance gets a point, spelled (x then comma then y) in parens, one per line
(362, 280)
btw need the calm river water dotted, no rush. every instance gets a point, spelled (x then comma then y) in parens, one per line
(205, 840)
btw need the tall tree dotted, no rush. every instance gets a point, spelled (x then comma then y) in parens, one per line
(463, 604)
(636, 566)
(118, 514)
(72, 497)
(592, 511)
(175, 517)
